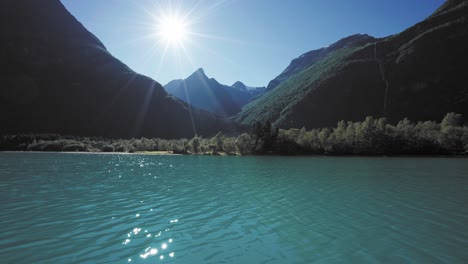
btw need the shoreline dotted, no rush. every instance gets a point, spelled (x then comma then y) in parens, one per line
(161, 153)
(169, 153)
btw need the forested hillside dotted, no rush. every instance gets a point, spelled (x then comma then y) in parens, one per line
(417, 74)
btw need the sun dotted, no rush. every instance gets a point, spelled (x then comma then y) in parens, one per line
(172, 29)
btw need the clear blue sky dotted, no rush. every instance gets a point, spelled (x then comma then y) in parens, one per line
(247, 40)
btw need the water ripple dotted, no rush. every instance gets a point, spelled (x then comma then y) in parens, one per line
(190, 209)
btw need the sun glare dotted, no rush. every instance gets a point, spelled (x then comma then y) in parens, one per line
(172, 29)
(172, 32)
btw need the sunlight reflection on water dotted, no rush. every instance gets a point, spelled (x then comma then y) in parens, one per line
(154, 246)
(229, 209)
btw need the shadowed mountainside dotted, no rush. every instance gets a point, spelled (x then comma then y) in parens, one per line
(58, 77)
(203, 92)
(208, 94)
(243, 94)
(308, 59)
(418, 73)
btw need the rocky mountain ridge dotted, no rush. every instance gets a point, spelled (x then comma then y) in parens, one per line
(208, 94)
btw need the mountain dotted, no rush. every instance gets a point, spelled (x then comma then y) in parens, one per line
(203, 92)
(58, 77)
(243, 94)
(241, 86)
(208, 94)
(308, 59)
(418, 73)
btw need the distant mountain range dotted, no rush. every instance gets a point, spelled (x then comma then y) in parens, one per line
(243, 94)
(419, 73)
(208, 94)
(57, 77)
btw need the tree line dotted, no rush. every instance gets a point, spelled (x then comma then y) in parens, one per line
(371, 136)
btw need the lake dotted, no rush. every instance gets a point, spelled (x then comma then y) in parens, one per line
(95, 208)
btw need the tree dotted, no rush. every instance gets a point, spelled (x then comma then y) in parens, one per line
(194, 144)
(452, 133)
(302, 139)
(217, 141)
(452, 119)
(323, 136)
(267, 129)
(229, 146)
(244, 144)
(265, 136)
(257, 131)
(108, 148)
(451, 139)
(180, 146)
(337, 139)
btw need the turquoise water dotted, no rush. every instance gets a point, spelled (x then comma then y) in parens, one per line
(86, 208)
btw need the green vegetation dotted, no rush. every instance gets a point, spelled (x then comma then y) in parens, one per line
(377, 137)
(279, 102)
(369, 137)
(418, 74)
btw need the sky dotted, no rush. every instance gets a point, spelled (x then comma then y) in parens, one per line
(251, 41)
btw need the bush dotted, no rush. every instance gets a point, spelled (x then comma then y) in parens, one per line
(244, 144)
(369, 137)
(75, 147)
(120, 148)
(52, 146)
(107, 148)
(452, 119)
(194, 145)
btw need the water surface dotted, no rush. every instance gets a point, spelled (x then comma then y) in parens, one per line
(86, 208)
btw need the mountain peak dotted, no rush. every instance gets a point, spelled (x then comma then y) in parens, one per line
(204, 93)
(239, 85)
(198, 74)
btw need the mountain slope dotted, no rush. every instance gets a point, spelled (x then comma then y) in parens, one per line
(242, 94)
(58, 77)
(241, 86)
(418, 74)
(208, 94)
(202, 92)
(310, 58)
